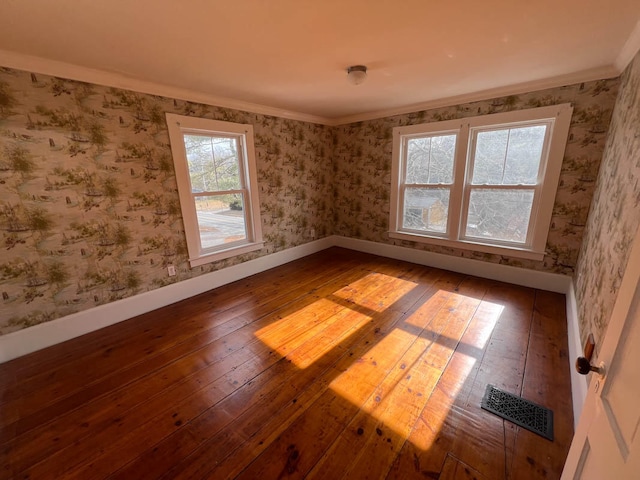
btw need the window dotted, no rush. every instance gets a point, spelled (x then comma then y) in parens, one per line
(484, 183)
(216, 175)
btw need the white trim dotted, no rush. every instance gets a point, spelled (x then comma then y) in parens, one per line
(579, 385)
(552, 282)
(629, 50)
(555, 118)
(609, 71)
(55, 68)
(22, 342)
(242, 134)
(465, 244)
(46, 66)
(227, 253)
(594, 405)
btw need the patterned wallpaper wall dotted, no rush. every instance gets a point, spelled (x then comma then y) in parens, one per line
(89, 210)
(362, 171)
(615, 214)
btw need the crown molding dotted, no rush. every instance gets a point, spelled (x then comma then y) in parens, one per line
(599, 73)
(100, 77)
(629, 50)
(55, 68)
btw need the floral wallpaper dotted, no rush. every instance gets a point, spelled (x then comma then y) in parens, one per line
(89, 210)
(615, 213)
(362, 171)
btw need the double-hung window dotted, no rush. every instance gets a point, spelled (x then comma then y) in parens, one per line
(216, 175)
(485, 183)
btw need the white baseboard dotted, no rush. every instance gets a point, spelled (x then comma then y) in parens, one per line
(40, 336)
(44, 335)
(579, 385)
(552, 282)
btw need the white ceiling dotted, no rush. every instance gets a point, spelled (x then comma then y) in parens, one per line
(290, 56)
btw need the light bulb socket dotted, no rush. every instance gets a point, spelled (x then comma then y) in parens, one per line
(357, 74)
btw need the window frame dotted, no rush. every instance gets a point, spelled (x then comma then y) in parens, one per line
(178, 126)
(556, 117)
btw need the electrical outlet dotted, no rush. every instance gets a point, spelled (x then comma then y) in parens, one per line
(172, 270)
(312, 233)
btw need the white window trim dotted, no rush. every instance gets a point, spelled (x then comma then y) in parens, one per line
(559, 116)
(178, 125)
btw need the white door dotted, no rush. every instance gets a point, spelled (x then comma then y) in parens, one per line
(606, 444)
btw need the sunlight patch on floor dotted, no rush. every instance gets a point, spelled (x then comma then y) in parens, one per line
(446, 392)
(311, 332)
(400, 372)
(308, 353)
(278, 333)
(375, 292)
(396, 391)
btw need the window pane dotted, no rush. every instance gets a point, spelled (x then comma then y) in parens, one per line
(213, 163)
(426, 209)
(430, 159)
(509, 156)
(524, 154)
(499, 214)
(220, 219)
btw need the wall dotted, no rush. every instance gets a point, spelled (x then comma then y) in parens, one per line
(89, 210)
(362, 171)
(615, 212)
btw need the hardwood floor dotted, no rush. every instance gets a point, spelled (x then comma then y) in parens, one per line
(339, 365)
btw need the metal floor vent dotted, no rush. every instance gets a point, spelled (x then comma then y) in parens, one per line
(519, 411)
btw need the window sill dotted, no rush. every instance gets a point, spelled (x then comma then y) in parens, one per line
(223, 254)
(469, 245)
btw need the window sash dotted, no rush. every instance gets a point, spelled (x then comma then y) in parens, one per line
(466, 188)
(248, 238)
(426, 209)
(218, 192)
(408, 139)
(556, 121)
(240, 148)
(464, 217)
(535, 187)
(232, 227)
(200, 249)
(471, 161)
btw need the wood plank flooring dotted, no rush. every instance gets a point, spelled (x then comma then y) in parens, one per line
(338, 365)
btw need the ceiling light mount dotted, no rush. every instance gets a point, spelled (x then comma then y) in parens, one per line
(356, 74)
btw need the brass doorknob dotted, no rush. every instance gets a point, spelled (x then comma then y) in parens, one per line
(584, 367)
